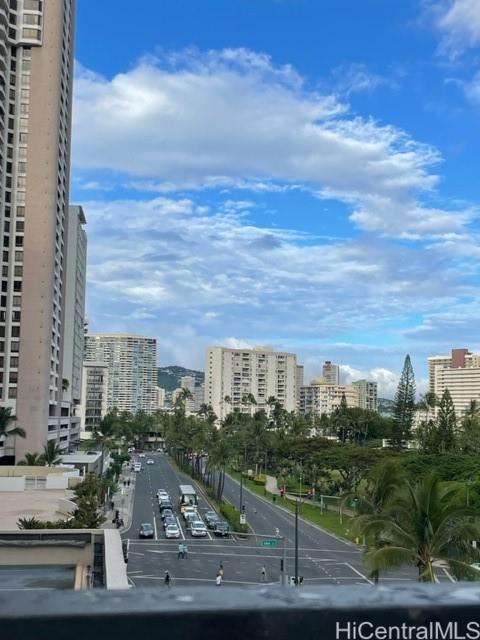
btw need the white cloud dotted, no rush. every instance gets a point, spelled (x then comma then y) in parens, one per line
(356, 78)
(231, 117)
(459, 22)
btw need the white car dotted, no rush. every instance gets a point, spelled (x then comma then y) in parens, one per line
(141, 455)
(150, 461)
(137, 467)
(172, 531)
(162, 495)
(189, 510)
(198, 529)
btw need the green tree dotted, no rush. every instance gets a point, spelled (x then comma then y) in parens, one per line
(32, 460)
(427, 403)
(420, 525)
(446, 423)
(6, 429)
(51, 453)
(404, 406)
(87, 498)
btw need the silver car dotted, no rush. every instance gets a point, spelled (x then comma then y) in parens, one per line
(198, 529)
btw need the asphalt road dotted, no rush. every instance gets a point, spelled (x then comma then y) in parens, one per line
(323, 558)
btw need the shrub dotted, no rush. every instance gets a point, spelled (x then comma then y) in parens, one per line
(232, 516)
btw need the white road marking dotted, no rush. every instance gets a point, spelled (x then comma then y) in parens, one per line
(358, 572)
(180, 528)
(155, 527)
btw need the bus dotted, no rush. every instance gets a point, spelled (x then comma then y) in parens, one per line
(187, 496)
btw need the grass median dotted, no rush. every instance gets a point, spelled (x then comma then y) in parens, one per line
(328, 520)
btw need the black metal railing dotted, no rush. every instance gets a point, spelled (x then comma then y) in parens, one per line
(400, 612)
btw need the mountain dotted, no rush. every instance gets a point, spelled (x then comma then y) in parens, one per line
(169, 377)
(385, 406)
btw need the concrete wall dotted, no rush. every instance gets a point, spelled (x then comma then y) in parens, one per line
(12, 484)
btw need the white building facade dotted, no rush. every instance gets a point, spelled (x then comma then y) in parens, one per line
(460, 374)
(331, 372)
(367, 394)
(261, 372)
(322, 398)
(132, 369)
(94, 401)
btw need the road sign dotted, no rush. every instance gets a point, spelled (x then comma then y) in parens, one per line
(243, 518)
(269, 542)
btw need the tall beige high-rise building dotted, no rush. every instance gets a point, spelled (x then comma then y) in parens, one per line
(367, 394)
(460, 374)
(36, 72)
(233, 374)
(331, 372)
(132, 369)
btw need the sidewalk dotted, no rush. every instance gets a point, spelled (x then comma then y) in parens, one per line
(272, 487)
(122, 500)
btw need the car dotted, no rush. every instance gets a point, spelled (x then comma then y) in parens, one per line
(141, 455)
(191, 517)
(165, 505)
(210, 518)
(162, 494)
(169, 520)
(167, 513)
(198, 529)
(150, 461)
(146, 530)
(189, 510)
(137, 467)
(221, 529)
(172, 531)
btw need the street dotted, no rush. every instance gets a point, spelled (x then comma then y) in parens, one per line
(323, 558)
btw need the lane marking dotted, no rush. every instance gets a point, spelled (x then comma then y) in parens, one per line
(155, 527)
(358, 573)
(180, 528)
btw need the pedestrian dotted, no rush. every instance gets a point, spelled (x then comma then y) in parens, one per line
(181, 551)
(218, 580)
(220, 570)
(167, 579)
(263, 574)
(124, 483)
(300, 580)
(112, 505)
(128, 482)
(274, 498)
(185, 551)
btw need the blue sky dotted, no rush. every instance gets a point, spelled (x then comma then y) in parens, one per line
(296, 173)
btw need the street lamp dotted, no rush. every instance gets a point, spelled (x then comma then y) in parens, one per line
(296, 542)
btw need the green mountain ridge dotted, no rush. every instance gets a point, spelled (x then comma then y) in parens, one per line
(169, 377)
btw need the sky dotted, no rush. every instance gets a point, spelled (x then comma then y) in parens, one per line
(295, 173)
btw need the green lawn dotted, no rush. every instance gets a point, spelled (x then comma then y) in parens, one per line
(328, 520)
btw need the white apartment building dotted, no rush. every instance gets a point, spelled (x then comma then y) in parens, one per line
(367, 394)
(193, 404)
(132, 369)
(262, 372)
(322, 398)
(159, 398)
(460, 374)
(94, 400)
(74, 334)
(36, 73)
(331, 372)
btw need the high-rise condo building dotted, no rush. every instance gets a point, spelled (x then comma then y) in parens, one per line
(460, 374)
(132, 369)
(331, 372)
(322, 398)
(36, 71)
(94, 401)
(367, 394)
(231, 375)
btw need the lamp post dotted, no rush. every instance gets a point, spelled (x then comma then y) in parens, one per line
(241, 492)
(296, 543)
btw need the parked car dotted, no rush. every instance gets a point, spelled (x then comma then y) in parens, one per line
(150, 461)
(137, 467)
(198, 529)
(172, 531)
(221, 529)
(210, 518)
(141, 455)
(146, 530)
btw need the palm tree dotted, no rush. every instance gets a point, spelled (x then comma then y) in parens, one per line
(6, 419)
(32, 460)
(421, 525)
(51, 453)
(473, 410)
(427, 403)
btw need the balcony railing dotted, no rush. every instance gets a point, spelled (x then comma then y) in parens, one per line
(399, 612)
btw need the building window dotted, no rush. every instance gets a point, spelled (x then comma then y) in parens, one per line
(12, 392)
(13, 377)
(13, 362)
(30, 18)
(20, 212)
(31, 33)
(15, 332)
(32, 5)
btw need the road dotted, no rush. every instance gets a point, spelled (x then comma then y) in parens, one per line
(323, 558)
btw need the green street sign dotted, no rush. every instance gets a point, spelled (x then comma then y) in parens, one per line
(269, 542)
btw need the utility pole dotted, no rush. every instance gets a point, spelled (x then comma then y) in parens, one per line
(241, 492)
(296, 543)
(283, 562)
